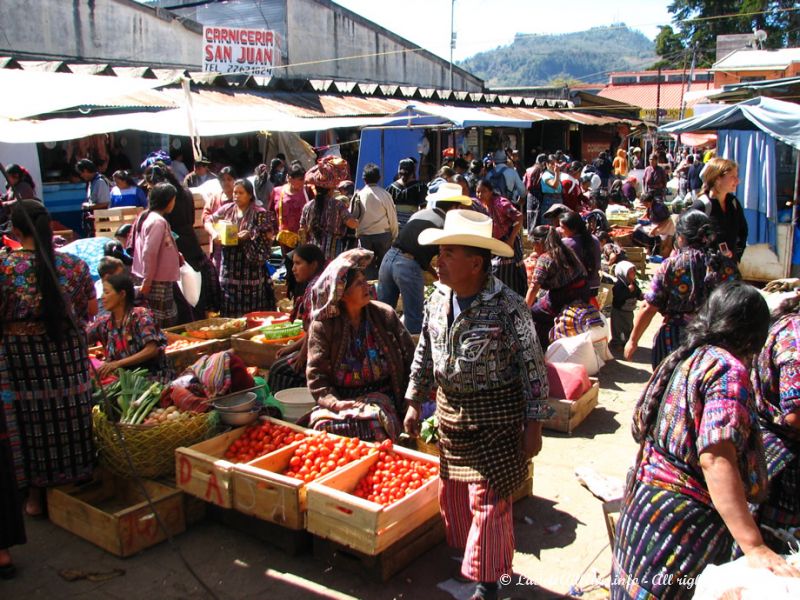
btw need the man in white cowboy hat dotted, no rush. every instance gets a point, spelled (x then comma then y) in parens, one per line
(479, 349)
(402, 267)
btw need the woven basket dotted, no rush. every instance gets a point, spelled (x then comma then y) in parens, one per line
(152, 447)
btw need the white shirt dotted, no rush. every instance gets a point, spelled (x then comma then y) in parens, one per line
(377, 212)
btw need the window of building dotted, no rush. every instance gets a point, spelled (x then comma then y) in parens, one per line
(703, 77)
(650, 78)
(623, 79)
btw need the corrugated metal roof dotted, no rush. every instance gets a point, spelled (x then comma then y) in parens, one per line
(744, 60)
(572, 116)
(647, 95)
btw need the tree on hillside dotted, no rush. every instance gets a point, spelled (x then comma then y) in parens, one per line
(564, 80)
(701, 21)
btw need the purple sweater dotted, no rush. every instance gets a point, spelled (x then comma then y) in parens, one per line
(155, 254)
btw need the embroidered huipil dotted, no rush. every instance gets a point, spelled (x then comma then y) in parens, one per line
(491, 378)
(709, 400)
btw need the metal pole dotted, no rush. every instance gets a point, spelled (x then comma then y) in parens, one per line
(452, 39)
(792, 226)
(658, 100)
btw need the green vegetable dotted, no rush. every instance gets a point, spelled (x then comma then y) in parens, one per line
(143, 404)
(429, 432)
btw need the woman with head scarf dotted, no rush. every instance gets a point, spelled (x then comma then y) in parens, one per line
(681, 285)
(701, 459)
(246, 287)
(359, 354)
(626, 294)
(46, 298)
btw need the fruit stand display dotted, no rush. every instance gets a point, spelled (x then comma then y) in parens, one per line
(205, 470)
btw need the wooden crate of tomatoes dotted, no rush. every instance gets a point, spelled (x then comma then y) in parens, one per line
(377, 501)
(273, 487)
(205, 470)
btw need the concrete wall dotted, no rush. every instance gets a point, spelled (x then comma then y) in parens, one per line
(733, 76)
(117, 31)
(320, 30)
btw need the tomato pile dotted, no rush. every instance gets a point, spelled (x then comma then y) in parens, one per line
(259, 439)
(321, 454)
(393, 477)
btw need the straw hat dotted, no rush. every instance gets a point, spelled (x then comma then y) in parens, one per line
(449, 192)
(466, 228)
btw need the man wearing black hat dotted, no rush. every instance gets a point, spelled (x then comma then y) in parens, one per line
(200, 175)
(401, 271)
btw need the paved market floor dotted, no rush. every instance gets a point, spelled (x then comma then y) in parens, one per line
(560, 534)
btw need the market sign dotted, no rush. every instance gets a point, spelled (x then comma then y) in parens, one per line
(665, 114)
(237, 50)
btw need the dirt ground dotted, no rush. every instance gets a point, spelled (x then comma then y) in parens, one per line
(561, 538)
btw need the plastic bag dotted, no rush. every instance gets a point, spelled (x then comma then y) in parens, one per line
(190, 283)
(577, 349)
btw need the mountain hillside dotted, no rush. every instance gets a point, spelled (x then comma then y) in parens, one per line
(533, 59)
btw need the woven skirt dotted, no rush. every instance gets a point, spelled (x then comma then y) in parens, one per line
(12, 524)
(664, 541)
(282, 375)
(47, 399)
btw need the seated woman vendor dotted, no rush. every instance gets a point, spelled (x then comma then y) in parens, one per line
(359, 354)
(128, 333)
(308, 262)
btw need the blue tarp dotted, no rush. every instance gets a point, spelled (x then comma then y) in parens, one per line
(757, 189)
(385, 148)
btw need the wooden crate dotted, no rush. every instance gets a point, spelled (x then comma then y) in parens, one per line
(260, 490)
(108, 220)
(294, 542)
(112, 513)
(611, 516)
(335, 514)
(638, 257)
(184, 357)
(201, 470)
(255, 354)
(383, 566)
(571, 413)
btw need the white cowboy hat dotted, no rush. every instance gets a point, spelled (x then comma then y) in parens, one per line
(449, 192)
(466, 228)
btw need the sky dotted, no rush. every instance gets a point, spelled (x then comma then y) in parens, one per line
(486, 24)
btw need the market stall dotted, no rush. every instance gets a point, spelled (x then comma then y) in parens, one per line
(763, 136)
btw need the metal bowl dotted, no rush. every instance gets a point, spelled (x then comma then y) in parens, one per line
(236, 403)
(237, 419)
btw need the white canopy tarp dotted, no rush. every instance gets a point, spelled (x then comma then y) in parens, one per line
(30, 93)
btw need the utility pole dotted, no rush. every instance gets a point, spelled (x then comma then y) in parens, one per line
(691, 76)
(452, 39)
(658, 99)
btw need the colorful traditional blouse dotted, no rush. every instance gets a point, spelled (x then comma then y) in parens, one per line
(121, 340)
(504, 217)
(550, 276)
(252, 252)
(331, 225)
(489, 345)
(286, 208)
(709, 400)
(20, 298)
(363, 364)
(777, 373)
(685, 280)
(302, 305)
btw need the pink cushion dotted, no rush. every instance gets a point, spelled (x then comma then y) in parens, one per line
(568, 381)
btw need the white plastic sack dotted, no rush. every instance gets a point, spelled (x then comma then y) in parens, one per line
(600, 337)
(577, 350)
(190, 283)
(752, 584)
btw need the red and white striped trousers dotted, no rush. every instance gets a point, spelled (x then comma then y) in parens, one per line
(478, 520)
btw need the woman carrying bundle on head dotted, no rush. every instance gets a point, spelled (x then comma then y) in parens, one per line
(700, 460)
(681, 285)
